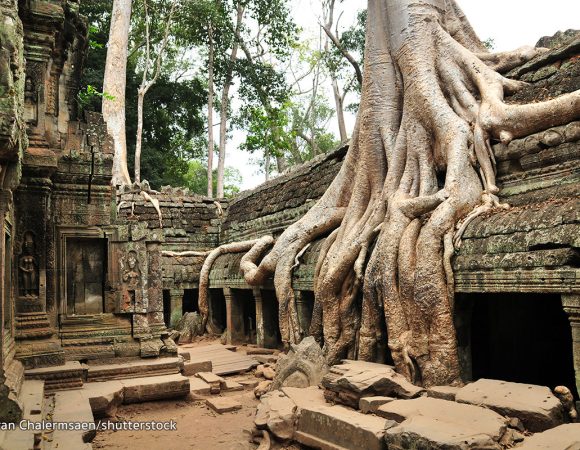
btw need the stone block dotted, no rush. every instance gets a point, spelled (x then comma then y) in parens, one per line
(194, 367)
(230, 385)
(138, 390)
(443, 392)
(441, 425)
(213, 380)
(337, 427)
(277, 413)
(348, 382)
(536, 406)
(223, 404)
(563, 437)
(371, 404)
(198, 386)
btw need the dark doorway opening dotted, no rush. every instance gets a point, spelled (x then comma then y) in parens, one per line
(217, 311)
(523, 338)
(272, 337)
(243, 316)
(305, 308)
(189, 303)
(86, 267)
(167, 307)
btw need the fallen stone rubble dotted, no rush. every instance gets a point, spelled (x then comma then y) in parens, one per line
(370, 406)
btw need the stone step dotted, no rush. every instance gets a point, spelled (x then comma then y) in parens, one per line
(138, 368)
(67, 376)
(32, 398)
(105, 396)
(74, 408)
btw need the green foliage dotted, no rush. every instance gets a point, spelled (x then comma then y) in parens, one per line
(489, 43)
(196, 179)
(174, 121)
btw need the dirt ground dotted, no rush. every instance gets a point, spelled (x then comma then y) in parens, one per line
(198, 427)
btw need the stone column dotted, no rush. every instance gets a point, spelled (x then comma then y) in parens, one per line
(235, 318)
(176, 302)
(155, 289)
(304, 311)
(571, 304)
(259, 317)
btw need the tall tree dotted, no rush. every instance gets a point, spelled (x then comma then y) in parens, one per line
(173, 116)
(149, 79)
(210, 101)
(114, 85)
(420, 160)
(225, 97)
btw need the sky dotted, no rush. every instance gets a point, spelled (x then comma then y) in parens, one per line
(510, 23)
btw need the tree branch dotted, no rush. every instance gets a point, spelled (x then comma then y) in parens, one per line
(345, 53)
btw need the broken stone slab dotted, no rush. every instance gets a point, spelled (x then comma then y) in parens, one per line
(214, 381)
(185, 355)
(199, 387)
(563, 437)
(348, 382)
(443, 392)
(230, 385)
(104, 397)
(371, 404)
(249, 384)
(276, 413)
(223, 404)
(138, 390)
(536, 406)
(261, 351)
(337, 427)
(441, 425)
(192, 367)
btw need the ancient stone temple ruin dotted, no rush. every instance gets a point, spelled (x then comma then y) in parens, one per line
(94, 280)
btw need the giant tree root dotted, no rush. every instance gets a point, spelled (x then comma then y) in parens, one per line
(235, 247)
(420, 160)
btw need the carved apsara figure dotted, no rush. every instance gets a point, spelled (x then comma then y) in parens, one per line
(28, 269)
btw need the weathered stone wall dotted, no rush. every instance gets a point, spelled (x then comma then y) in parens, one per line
(274, 205)
(188, 222)
(12, 144)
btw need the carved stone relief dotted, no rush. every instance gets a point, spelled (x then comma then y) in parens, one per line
(28, 268)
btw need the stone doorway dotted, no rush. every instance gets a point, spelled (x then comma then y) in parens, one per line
(217, 310)
(272, 337)
(523, 338)
(189, 302)
(85, 275)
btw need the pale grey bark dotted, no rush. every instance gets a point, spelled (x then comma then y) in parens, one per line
(114, 84)
(225, 101)
(147, 83)
(210, 99)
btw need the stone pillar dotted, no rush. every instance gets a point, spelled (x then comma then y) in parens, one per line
(571, 304)
(155, 289)
(260, 338)
(304, 310)
(235, 319)
(176, 302)
(37, 345)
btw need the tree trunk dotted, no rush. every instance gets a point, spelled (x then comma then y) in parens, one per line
(429, 107)
(225, 103)
(210, 95)
(139, 139)
(267, 164)
(114, 85)
(338, 100)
